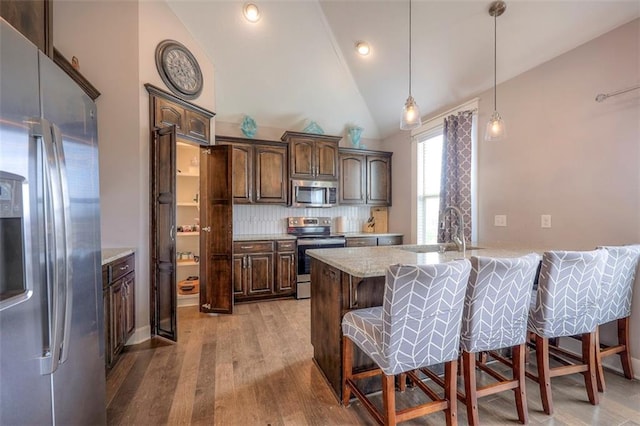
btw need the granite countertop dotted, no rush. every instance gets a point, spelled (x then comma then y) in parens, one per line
(367, 262)
(263, 237)
(372, 234)
(111, 254)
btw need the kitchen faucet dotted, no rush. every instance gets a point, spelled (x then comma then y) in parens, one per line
(457, 230)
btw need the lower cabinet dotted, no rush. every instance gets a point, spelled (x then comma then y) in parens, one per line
(119, 305)
(263, 270)
(386, 240)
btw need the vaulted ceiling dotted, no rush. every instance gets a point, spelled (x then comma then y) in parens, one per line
(298, 62)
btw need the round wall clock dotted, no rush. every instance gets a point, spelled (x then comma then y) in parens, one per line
(179, 69)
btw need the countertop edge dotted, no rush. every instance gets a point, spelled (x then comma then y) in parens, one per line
(112, 254)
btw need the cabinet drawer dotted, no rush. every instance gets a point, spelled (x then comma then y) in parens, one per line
(362, 242)
(252, 247)
(286, 245)
(390, 241)
(122, 266)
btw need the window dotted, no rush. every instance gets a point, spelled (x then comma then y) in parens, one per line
(429, 169)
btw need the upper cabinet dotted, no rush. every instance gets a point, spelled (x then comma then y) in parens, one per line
(192, 122)
(365, 177)
(33, 19)
(259, 170)
(312, 157)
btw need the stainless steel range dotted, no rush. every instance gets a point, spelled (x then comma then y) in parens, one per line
(312, 233)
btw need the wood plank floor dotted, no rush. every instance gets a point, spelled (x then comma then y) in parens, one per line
(255, 368)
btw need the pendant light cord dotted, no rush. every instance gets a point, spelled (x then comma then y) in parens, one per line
(409, 47)
(495, 61)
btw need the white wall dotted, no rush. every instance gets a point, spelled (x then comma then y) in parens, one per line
(115, 42)
(566, 155)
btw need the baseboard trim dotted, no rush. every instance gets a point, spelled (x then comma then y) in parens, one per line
(141, 334)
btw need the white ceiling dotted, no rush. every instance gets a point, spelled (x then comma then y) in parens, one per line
(298, 63)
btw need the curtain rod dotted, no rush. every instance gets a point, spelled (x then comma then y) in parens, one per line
(603, 96)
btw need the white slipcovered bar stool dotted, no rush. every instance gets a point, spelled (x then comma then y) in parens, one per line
(495, 315)
(566, 304)
(417, 326)
(617, 290)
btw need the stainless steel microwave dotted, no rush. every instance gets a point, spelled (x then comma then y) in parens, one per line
(314, 193)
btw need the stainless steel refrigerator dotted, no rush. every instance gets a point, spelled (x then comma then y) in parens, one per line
(51, 319)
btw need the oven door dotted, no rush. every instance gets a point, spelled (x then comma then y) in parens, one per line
(304, 261)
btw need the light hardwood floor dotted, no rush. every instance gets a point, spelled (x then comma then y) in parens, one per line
(255, 368)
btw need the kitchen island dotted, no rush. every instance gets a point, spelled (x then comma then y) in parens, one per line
(354, 278)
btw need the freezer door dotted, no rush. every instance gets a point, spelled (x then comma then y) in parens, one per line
(24, 333)
(79, 381)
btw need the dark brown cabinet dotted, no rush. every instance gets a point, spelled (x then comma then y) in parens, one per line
(264, 270)
(386, 240)
(259, 170)
(33, 18)
(365, 177)
(312, 156)
(286, 268)
(191, 121)
(119, 305)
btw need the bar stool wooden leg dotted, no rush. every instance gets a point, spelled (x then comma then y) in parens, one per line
(623, 339)
(589, 358)
(471, 397)
(402, 382)
(518, 374)
(389, 399)
(347, 369)
(544, 376)
(600, 372)
(450, 393)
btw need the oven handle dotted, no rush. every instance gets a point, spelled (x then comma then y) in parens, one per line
(316, 242)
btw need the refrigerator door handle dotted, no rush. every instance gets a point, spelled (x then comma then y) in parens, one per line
(66, 222)
(54, 243)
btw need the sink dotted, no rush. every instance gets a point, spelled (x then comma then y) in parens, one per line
(434, 248)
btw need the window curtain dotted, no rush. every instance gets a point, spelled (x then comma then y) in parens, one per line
(455, 182)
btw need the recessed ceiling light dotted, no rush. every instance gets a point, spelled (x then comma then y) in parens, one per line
(251, 12)
(363, 48)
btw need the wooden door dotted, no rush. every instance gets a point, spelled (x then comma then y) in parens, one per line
(198, 126)
(238, 275)
(116, 314)
(216, 229)
(260, 274)
(286, 273)
(242, 173)
(129, 305)
(353, 171)
(163, 228)
(379, 180)
(326, 160)
(169, 114)
(301, 157)
(271, 174)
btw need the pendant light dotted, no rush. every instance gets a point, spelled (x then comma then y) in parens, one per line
(410, 118)
(496, 128)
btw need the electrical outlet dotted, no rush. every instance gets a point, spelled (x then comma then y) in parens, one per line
(500, 220)
(545, 221)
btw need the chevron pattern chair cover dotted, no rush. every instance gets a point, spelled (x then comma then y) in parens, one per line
(617, 282)
(568, 293)
(419, 322)
(497, 302)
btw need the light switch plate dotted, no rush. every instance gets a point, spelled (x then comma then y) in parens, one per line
(545, 221)
(500, 220)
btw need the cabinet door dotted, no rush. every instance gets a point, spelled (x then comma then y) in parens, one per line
(286, 273)
(129, 305)
(379, 180)
(238, 275)
(197, 126)
(242, 173)
(326, 160)
(352, 179)
(271, 174)
(33, 19)
(361, 241)
(168, 114)
(260, 274)
(301, 157)
(106, 309)
(116, 314)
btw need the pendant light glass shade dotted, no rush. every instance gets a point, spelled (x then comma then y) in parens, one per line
(410, 118)
(496, 128)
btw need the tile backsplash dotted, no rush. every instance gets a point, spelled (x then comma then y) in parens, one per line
(272, 219)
